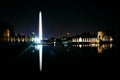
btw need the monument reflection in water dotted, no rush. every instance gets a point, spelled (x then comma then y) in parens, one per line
(98, 47)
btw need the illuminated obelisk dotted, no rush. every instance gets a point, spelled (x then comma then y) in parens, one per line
(40, 38)
(40, 26)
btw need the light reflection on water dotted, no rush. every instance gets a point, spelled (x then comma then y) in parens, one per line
(40, 57)
(100, 49)
(39, 48)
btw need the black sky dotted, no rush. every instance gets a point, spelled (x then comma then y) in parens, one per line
(60, 17)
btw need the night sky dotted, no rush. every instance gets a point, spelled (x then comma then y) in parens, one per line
(60, 17)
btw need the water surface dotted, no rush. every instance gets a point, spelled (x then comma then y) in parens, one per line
(59, 58)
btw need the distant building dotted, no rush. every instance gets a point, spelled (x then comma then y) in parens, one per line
(6, 31)
(101, 36)
(104, 37)
(6, 35)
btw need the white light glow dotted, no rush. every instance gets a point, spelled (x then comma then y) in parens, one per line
(111, 39)
(40, 57)
(37, 40)
(80, 46)
(40, 38)
(40, 25)
(80, 39)
(37, 47)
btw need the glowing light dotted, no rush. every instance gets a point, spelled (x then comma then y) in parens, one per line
(40, 38)
(40, 56)
(111, 39)
(40, 25)
(33, 33)
(92, 45)
(54, 42)
(80, 46)
(37, 40)
(37, 47)
(100, 49)
(98, 41)
(111, 45)
(80, 39)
